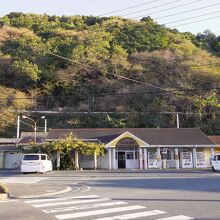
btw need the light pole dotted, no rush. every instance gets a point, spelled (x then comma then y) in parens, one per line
(35, 125)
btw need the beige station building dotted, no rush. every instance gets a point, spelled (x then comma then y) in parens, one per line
(145, 148)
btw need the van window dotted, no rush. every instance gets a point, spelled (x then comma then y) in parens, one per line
(43, 157)
(217, 158)
(31, 157)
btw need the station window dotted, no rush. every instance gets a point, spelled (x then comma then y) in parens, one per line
(130, 156)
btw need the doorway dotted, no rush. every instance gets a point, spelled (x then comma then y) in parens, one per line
(121, 160)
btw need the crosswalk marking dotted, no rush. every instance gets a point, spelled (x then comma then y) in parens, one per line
(134, 215)
(83, 206)
(69, 202)
(178, 217)
(61, 199)
(99, 212)
(65, 209)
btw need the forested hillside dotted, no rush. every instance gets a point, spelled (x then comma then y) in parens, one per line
(137, 71)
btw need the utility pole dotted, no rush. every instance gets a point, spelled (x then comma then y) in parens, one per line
(35, 125)
(45, 125)
(177, 120)
(18, 128)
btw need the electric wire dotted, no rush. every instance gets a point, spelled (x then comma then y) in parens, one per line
(183, 12)
(109, 73)
(193, 22)
(167, 9)
(128, 8)
(157, 6)
(198, 16)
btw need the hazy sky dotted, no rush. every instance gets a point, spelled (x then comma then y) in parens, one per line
(157, 9)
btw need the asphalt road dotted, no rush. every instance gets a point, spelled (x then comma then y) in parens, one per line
(103, 195)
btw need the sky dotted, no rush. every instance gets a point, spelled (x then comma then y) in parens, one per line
(180, 14)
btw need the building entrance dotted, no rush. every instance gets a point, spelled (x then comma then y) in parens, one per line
(121, 160)
(127, 154)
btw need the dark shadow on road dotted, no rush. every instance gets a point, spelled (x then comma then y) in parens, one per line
(166, 200)
(202, 184)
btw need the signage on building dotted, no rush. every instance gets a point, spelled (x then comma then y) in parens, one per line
(153, 160)
(200, 160)
(186, 160)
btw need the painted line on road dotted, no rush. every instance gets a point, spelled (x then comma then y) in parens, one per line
(69, 202)
(177, 217)
(99, 212)
(61, 199)
(10, 200)
(23, 180)
(92, 206)
(86, 190)
(65, 190)
(134, 215)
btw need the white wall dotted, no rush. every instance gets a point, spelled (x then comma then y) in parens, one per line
(13, 160)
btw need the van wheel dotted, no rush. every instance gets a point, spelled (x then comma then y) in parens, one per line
(213, 169)
(43, 171)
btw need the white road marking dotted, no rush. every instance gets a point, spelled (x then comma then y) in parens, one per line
(178, 217)
(5, 201)
(87, 189)
(99, 212)
(65, 190)
(61, 199)
(69, 202)
(24, 180)
(134, 215)
(92, 206)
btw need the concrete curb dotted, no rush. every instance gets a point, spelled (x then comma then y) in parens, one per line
(65, 190)
(4, 196)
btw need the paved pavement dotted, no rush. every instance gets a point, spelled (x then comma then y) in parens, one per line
(28, 186)
(33, 185)
(108, 195)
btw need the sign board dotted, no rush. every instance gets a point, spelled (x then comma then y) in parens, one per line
(200, 160)
(164, 151)
(186, 159)
(152, 160)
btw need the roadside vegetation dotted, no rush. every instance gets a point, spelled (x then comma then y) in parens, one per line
(3, 189)
(67, 151)
(32, 77)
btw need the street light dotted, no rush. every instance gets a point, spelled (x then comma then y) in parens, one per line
(35, 125)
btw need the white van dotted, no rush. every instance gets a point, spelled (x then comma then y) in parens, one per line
(36, 163)
(216, 162)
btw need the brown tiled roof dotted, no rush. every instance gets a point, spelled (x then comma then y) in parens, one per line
(152, 136)
(27, 137)
(215, 139)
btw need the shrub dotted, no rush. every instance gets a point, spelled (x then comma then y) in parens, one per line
(3, 189)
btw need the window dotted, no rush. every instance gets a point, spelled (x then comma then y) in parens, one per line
(43, 157)
(31, 157)
(217, 158)
(130, 155)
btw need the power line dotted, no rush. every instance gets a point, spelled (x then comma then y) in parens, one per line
(124, 9)
(198, 16)
(113, 74)
(128, 93)
(195, 22)
(183, 12)
(156, 12)
(158, 6)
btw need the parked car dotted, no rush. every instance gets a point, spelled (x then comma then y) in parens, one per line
(36, 163)
(216, 162)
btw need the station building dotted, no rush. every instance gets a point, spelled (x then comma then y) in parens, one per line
(144, 148)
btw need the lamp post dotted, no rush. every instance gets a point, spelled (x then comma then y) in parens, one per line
(35, 125)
